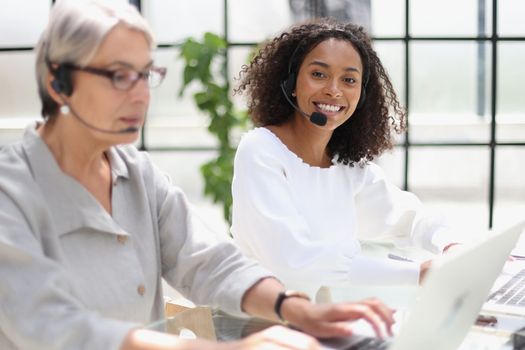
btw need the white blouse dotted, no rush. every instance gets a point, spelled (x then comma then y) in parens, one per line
(304, 223)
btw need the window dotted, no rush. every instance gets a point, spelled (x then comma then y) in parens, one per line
(456, 65)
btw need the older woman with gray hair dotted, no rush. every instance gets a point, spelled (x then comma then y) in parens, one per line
(90, 226)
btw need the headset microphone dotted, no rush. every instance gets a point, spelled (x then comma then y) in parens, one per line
(316, 117)
(67, 108)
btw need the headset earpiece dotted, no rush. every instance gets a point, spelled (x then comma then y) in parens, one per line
(289, 84)
(56, 86)
(362, 97)
(62, 83)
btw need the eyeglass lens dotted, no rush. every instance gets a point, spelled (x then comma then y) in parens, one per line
(124, 79)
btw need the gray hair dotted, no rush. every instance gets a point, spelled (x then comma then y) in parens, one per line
(73, 35)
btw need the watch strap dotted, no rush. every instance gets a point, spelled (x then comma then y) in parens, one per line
(282, 296)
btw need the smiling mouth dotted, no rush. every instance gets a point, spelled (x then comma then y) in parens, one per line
(328, 108)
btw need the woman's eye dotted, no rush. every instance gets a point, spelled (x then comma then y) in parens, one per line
(121, 76)
(349, 80)
(317, 74)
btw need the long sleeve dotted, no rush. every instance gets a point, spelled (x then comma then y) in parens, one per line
(270, 224)
(388, 214)
(37, 308)
(205, 268)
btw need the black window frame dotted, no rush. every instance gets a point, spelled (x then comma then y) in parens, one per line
(406, 145)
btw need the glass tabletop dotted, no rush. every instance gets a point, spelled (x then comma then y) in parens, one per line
(225, 326)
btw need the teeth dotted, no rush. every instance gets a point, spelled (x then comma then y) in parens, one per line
(329, 108)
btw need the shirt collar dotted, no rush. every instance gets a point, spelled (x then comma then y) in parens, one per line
(119, 168)
(70, 204)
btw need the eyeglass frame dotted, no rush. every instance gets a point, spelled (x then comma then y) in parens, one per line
(110, 74)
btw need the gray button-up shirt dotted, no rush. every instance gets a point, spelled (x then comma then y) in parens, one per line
(74, 277)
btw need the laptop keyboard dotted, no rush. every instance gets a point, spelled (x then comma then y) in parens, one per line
(369, 343)
(512, 292)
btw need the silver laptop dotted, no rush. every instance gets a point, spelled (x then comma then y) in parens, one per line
(508, 293)
(450, 298)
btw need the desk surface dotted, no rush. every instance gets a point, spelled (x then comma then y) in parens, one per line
(229, 327)
(400, 297)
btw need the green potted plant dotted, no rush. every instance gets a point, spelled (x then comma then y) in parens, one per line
(205, 64)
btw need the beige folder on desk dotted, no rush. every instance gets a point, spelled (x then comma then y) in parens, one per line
(196, 319)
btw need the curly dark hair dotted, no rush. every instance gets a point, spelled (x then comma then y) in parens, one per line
(362, 137)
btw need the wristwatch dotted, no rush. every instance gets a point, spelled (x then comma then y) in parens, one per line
(283, 296)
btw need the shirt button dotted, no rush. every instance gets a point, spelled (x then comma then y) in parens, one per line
(122, 238)
(141, 289)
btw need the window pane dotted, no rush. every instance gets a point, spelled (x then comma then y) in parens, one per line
(355, 11)
(175, 121)
(511, 104)
(388, 18)
(257, 20)
(173, 21)
(447, 18)
(19, 102)
(447, 183)
(510, 18)
(19, 97)
(184, 171)
(392, 55)
(445, 103)
(22, 22)
(510, 185)
(237, 57)
(393, 163)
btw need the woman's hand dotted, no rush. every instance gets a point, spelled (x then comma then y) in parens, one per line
(423, 270)
(454, 246)
(276, 337)
(331, 320)
(425, 266)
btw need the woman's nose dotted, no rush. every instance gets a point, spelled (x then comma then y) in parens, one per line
(332, 89)
(140, 91)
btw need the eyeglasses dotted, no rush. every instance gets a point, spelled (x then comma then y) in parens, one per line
(125, 78)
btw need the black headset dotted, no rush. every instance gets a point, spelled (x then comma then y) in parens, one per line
(62, 82)
(288, 85)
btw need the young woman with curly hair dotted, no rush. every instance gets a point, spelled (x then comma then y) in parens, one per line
(305, 189)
